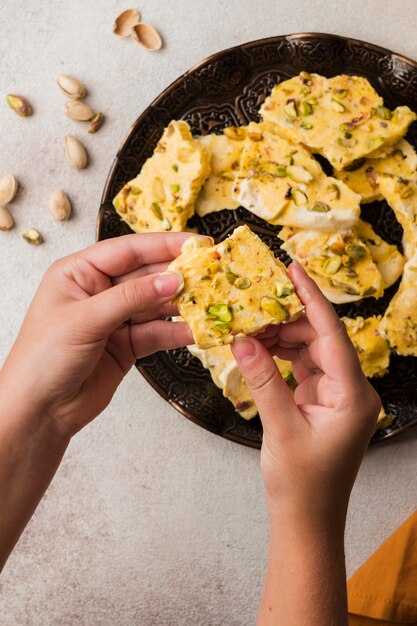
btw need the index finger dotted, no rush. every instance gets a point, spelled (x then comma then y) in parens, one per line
(120, 255)
(318, 310)
(337, 356)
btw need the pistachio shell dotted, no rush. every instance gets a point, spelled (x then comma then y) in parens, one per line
(124, 23)
(60, 205)
(71, 87)
(79, 111)
(8, 188)
(6, 220)
(147, 36)
(75, 152)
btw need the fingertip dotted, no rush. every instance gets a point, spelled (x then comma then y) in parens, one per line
(169, 283)
(245, 350)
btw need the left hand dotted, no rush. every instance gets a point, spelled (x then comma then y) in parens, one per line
(73, 349)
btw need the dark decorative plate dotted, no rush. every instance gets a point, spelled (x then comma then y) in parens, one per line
(228, 89)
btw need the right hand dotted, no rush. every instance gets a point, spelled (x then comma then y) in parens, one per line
(314, 440)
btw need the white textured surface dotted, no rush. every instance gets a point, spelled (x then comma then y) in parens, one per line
(150, 520)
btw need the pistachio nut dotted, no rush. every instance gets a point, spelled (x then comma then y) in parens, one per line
(79, 111)
(75, 152)
(96, 123)
(71, 87)
(220, 312)
(19, 104)
(32, 236)
(6, 220)
(275, 309)
(60, 205)
(8, 188)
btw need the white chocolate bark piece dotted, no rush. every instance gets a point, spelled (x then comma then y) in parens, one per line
(234, 288)
(401, 195)
(342, 118)
(373, 350)
(284, 185)
(225, 151)
(399, 323)
(386, 256)
(362, 176)
(339, 263)
(163, 195)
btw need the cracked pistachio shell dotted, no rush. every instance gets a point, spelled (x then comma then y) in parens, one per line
(75, 152)
(147, 36)
(124, 23)
(79, 111)
(6, 220)
(71, 87)
(60, 205)
(8, 188)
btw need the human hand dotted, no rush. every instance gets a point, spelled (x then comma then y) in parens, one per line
(314, 440)
(73, 349)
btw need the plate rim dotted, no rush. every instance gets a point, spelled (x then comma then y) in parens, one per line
(105, 199)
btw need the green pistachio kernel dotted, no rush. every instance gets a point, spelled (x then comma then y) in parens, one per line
(306, 125)
(355, 252)
(281, 171)
(175, 167)
(175, 188)
(369, 292)
(156, 210)
(275, 309)
(242, 282)
(337, 106)
(305, 109)
(376, 142)
(291, 109)
(231, 277)
(284, 289)
(332, 265)
(383, 112)
(220, 312)
(221, 328)
(320, 207)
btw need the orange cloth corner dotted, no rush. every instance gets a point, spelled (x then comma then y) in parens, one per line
(383, 592)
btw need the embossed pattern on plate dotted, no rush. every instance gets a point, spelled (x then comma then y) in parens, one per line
(228, 89)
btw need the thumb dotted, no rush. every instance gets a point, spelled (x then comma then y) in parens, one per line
(113, 306)
(273, 398)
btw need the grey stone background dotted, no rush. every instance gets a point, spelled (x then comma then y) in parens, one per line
(150, 519)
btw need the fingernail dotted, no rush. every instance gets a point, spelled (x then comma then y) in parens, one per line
(244, 350)
(169, 284)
